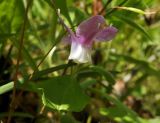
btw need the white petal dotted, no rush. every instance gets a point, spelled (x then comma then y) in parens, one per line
(80, 53)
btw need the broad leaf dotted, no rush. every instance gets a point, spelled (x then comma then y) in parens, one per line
(63, 93)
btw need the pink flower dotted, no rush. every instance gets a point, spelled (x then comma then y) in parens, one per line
(87, 32)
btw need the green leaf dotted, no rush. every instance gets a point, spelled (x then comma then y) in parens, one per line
(145, 66)
(113, 112)
(68, 119)
(113, 10)
(63, 93)
(18, 16)
(50, 70)
(87, 83)
(134, 25)
(52, 105)
(108, 76)
(11, 15)
(131, 114)
(6, 16)
(131, 9)
(7, 87)
(96, 71)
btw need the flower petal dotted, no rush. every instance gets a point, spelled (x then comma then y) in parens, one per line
(106, 34)
(69, 38)
(66, 39)
(88, 28)
(79, 53)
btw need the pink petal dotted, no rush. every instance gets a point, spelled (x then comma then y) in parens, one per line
(106, 34)
(69, 38)
(66, 39)
(88, 28)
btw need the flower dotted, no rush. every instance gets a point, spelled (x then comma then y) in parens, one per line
(87, 32)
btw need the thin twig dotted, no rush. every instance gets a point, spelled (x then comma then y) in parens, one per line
(12, 104)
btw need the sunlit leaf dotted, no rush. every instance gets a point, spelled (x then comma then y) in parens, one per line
(136, 10)
(7, 87)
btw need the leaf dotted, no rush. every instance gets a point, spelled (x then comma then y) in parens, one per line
(6, 16)
(63, 93)
(87, 83)
(52, 105)
(131, 9)
(113, 112)
(7, 87)
(18, 16)
(68, 119)
(11, 18)
(145, 66)
(134, 25)
(119, 105)
(113, 10)
(108, 76)
(50, 70)
(96, 71)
